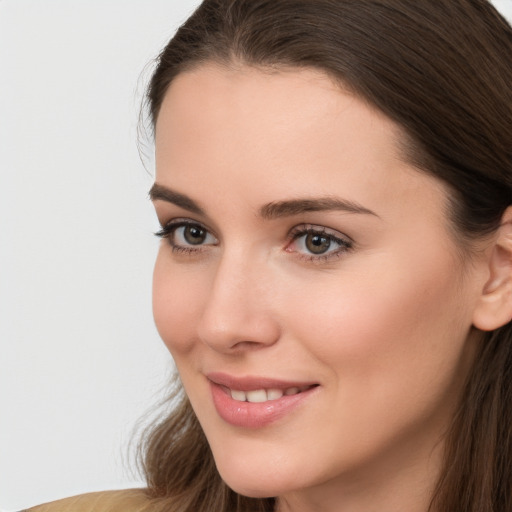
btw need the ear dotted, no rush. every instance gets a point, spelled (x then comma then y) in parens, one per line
(494, 307)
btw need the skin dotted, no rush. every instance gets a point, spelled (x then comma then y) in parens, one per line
(384, 328)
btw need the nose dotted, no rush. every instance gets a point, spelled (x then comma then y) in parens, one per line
(238, 312)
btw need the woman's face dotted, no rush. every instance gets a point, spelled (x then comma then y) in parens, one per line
(308, 286)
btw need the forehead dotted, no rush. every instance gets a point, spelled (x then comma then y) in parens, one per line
(231, 90)
(280, 133)
(275, 110)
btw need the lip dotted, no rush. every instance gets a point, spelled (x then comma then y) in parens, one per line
(255, 415)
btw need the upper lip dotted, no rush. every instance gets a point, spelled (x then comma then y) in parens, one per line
(252, 383)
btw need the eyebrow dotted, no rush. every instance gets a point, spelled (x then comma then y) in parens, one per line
(298, 206)
(269, 211)
(159, 192)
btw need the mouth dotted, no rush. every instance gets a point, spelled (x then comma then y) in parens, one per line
(257, 396)
(254, 402)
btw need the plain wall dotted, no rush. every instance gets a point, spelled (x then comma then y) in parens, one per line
(80, 359)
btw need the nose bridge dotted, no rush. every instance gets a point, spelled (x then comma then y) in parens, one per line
(238, 309)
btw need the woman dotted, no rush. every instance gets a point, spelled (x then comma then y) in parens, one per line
(333, 181)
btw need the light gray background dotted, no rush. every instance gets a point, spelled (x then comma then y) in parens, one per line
(80, 359)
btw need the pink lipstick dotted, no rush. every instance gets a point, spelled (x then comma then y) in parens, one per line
(254, 402)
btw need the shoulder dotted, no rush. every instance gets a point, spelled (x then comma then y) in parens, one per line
(129, 500)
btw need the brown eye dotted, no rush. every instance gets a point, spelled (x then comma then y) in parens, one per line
(187, 236)
(317, 243)
(194, 235)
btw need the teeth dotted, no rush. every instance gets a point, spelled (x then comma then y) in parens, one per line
(238, 395)
(257, 396)
(274, 394)
(262, 395)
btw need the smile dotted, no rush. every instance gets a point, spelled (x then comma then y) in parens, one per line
(255, 402)
(265, 395)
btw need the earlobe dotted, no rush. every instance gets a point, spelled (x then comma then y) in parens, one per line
(494, 308)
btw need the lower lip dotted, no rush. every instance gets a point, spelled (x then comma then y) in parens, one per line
(255, 415)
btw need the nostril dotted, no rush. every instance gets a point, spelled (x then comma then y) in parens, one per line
(247, 345)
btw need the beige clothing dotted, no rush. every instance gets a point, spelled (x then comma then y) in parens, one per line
(130, 500)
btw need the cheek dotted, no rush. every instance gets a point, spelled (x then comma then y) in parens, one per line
(394, 350)
(177, 295)
(405, 322)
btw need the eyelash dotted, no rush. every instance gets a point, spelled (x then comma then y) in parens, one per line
(168, 231)
(345, 243)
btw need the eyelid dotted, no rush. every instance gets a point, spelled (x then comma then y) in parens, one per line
(345, 242)
(318, 228)
(170, 227)
(174, 223)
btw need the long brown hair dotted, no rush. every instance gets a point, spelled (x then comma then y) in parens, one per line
(442, 70)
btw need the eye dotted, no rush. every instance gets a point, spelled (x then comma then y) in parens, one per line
(190, 234)
(315, 242)
(186, 236)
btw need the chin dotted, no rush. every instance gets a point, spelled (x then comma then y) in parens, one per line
(253, 489)
(257, 478)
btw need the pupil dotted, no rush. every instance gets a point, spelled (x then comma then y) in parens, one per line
(317, 244)
(194, 235)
